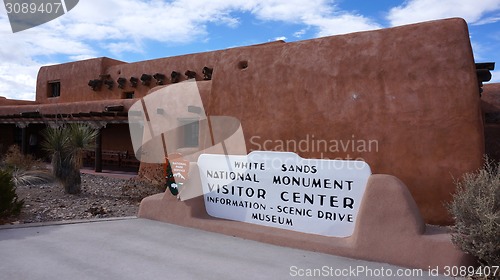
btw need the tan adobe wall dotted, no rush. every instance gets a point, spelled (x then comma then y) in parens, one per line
(115, 137)
(413, 89)
(13, 102)
(491, 107)
(388, 228)
(73, 78)
(165, 66)
(491, 98)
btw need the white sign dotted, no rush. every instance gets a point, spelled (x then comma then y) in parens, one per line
(283, 190)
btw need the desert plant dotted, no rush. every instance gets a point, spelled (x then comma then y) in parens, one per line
(66, 144)
(9, 203)
(14, 159)
(476, 211)
(21, 177)
(81, 138)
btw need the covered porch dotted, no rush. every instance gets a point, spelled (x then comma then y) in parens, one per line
(22, 125)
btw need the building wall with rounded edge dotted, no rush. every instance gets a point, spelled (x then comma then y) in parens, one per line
(75, 76)
(412, 89)
(491, 107)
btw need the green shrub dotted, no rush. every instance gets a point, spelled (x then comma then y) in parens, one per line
(9, 204)
(476, 211)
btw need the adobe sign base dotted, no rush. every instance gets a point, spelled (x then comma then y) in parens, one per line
(389, 228)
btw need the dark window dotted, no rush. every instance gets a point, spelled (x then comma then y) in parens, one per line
(54, 89)
(190, 133)
(128, 95)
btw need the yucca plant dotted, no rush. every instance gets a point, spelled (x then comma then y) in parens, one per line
(56, 143)
(81, 138)
(24, 169)
(23, 177)
(66, 144)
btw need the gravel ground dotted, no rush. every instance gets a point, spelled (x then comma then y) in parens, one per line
(101, 197)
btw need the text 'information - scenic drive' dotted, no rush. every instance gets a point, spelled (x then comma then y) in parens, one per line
(283, 190)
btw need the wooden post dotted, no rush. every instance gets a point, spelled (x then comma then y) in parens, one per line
(98, 151)
(24, 140)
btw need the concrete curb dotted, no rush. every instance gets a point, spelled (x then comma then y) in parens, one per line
(65, 222)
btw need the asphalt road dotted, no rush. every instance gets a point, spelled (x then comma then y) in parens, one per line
(134, 248)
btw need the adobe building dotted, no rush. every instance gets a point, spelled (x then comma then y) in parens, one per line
(405, 99)
(491, 108)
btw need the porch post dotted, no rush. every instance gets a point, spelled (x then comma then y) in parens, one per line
(24, 140)
(98, 125)
(98, 151)
(24, 137)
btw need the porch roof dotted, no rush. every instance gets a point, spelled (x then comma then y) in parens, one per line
(108, 111)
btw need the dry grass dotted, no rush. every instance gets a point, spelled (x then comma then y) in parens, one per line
(14, 159)
(476, 211)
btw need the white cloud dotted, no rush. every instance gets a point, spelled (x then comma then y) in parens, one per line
(481, 52)
(342, 24)
(118, 48)
(423, 10)
(291, 10)
(116, 27)
(300, 33)
(495, 76)
(95, 28)
(488, 20)
(18, 81)
(281, 38)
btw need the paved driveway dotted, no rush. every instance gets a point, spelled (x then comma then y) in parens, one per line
(143, 249)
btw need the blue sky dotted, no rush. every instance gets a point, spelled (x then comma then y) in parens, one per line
(135, 30)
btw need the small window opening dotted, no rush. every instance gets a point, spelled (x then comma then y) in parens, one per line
(128, 95)
(54, 89)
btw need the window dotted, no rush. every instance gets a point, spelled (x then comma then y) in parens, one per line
(190, 133)
(128, 95)
(54, 89)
